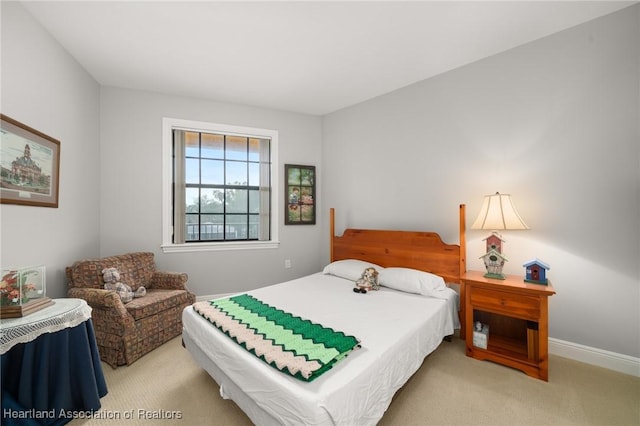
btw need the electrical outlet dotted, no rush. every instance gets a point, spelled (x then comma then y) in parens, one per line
(287, 263)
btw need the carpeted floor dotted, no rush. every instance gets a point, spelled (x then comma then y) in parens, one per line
(166, 387)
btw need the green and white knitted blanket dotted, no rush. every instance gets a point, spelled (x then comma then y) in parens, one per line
(293, 345)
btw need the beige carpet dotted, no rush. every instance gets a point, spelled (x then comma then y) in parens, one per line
(449, 389)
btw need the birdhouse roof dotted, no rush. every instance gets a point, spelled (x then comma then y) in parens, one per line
(493, 252)
(536, 262)
(495, 234)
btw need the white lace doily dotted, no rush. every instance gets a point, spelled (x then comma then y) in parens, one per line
(64, 313)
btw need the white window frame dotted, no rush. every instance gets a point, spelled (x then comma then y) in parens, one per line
(168, 246)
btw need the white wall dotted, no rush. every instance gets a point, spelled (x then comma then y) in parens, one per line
(554, 123)
(131, 189)
(46, 89)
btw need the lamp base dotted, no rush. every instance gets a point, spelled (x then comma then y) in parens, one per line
(495, 276)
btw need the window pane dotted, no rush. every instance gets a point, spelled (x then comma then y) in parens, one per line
(191, 225)
(236, 148)
(192, 170)
(212, 200)
(294, 196)
(212, 172)
(211, 227)
(294, 212)
(254, 149)
(236, 227)
(236, 200)
(254, 201)
(254, 174)
(293, 176)
(306, 213)
(254, 227)
(306, 177)
(191, 144)
(236, 173)
(306, 195)
(212, 146)
(192, 200)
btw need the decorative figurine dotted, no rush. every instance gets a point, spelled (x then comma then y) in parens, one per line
(493, 262)
(535, 271)
(494, 242)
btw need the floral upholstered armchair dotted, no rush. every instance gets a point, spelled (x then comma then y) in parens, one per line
(126, 331)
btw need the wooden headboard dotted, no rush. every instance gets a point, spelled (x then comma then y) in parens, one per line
(409, 249)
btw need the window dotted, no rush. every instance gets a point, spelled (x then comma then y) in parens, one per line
(220, 189)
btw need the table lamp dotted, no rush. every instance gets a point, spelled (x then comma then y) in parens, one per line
(497, 213)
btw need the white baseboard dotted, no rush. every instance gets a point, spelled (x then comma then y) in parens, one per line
(598, 357)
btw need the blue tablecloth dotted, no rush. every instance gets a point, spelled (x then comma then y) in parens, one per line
(53, 378)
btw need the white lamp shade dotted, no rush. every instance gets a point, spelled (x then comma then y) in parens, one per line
(497, 213)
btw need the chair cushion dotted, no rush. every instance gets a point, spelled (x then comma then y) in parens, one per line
(156, 301)
(136, 269)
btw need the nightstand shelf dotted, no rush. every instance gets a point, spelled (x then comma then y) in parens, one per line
(517, 313)
(508, 347)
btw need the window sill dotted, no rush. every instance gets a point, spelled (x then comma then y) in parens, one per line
(226, 246)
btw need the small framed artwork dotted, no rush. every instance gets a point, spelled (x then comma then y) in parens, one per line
(29, 165)
(300, 192)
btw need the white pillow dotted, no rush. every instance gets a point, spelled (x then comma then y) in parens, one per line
(411, 281)
(350, 269)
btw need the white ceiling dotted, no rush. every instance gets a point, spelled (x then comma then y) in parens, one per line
(308, 57)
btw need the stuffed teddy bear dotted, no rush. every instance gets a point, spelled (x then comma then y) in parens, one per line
(368, 281)
(111, 278)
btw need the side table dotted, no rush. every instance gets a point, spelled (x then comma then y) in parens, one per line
(517, 315)
(50, 365)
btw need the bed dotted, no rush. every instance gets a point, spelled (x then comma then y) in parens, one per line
(396, 328)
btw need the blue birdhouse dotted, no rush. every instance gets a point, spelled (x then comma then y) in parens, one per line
(535, 271)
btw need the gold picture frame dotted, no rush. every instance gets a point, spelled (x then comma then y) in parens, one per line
(29, 165)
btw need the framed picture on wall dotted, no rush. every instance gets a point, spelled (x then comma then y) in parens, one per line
(300, 193)
(29, 165)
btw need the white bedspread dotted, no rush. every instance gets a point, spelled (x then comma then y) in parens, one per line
(397, 330)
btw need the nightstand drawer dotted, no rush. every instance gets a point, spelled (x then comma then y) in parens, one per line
(506, 303)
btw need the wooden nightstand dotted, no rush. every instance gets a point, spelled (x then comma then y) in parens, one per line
(517, 315)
